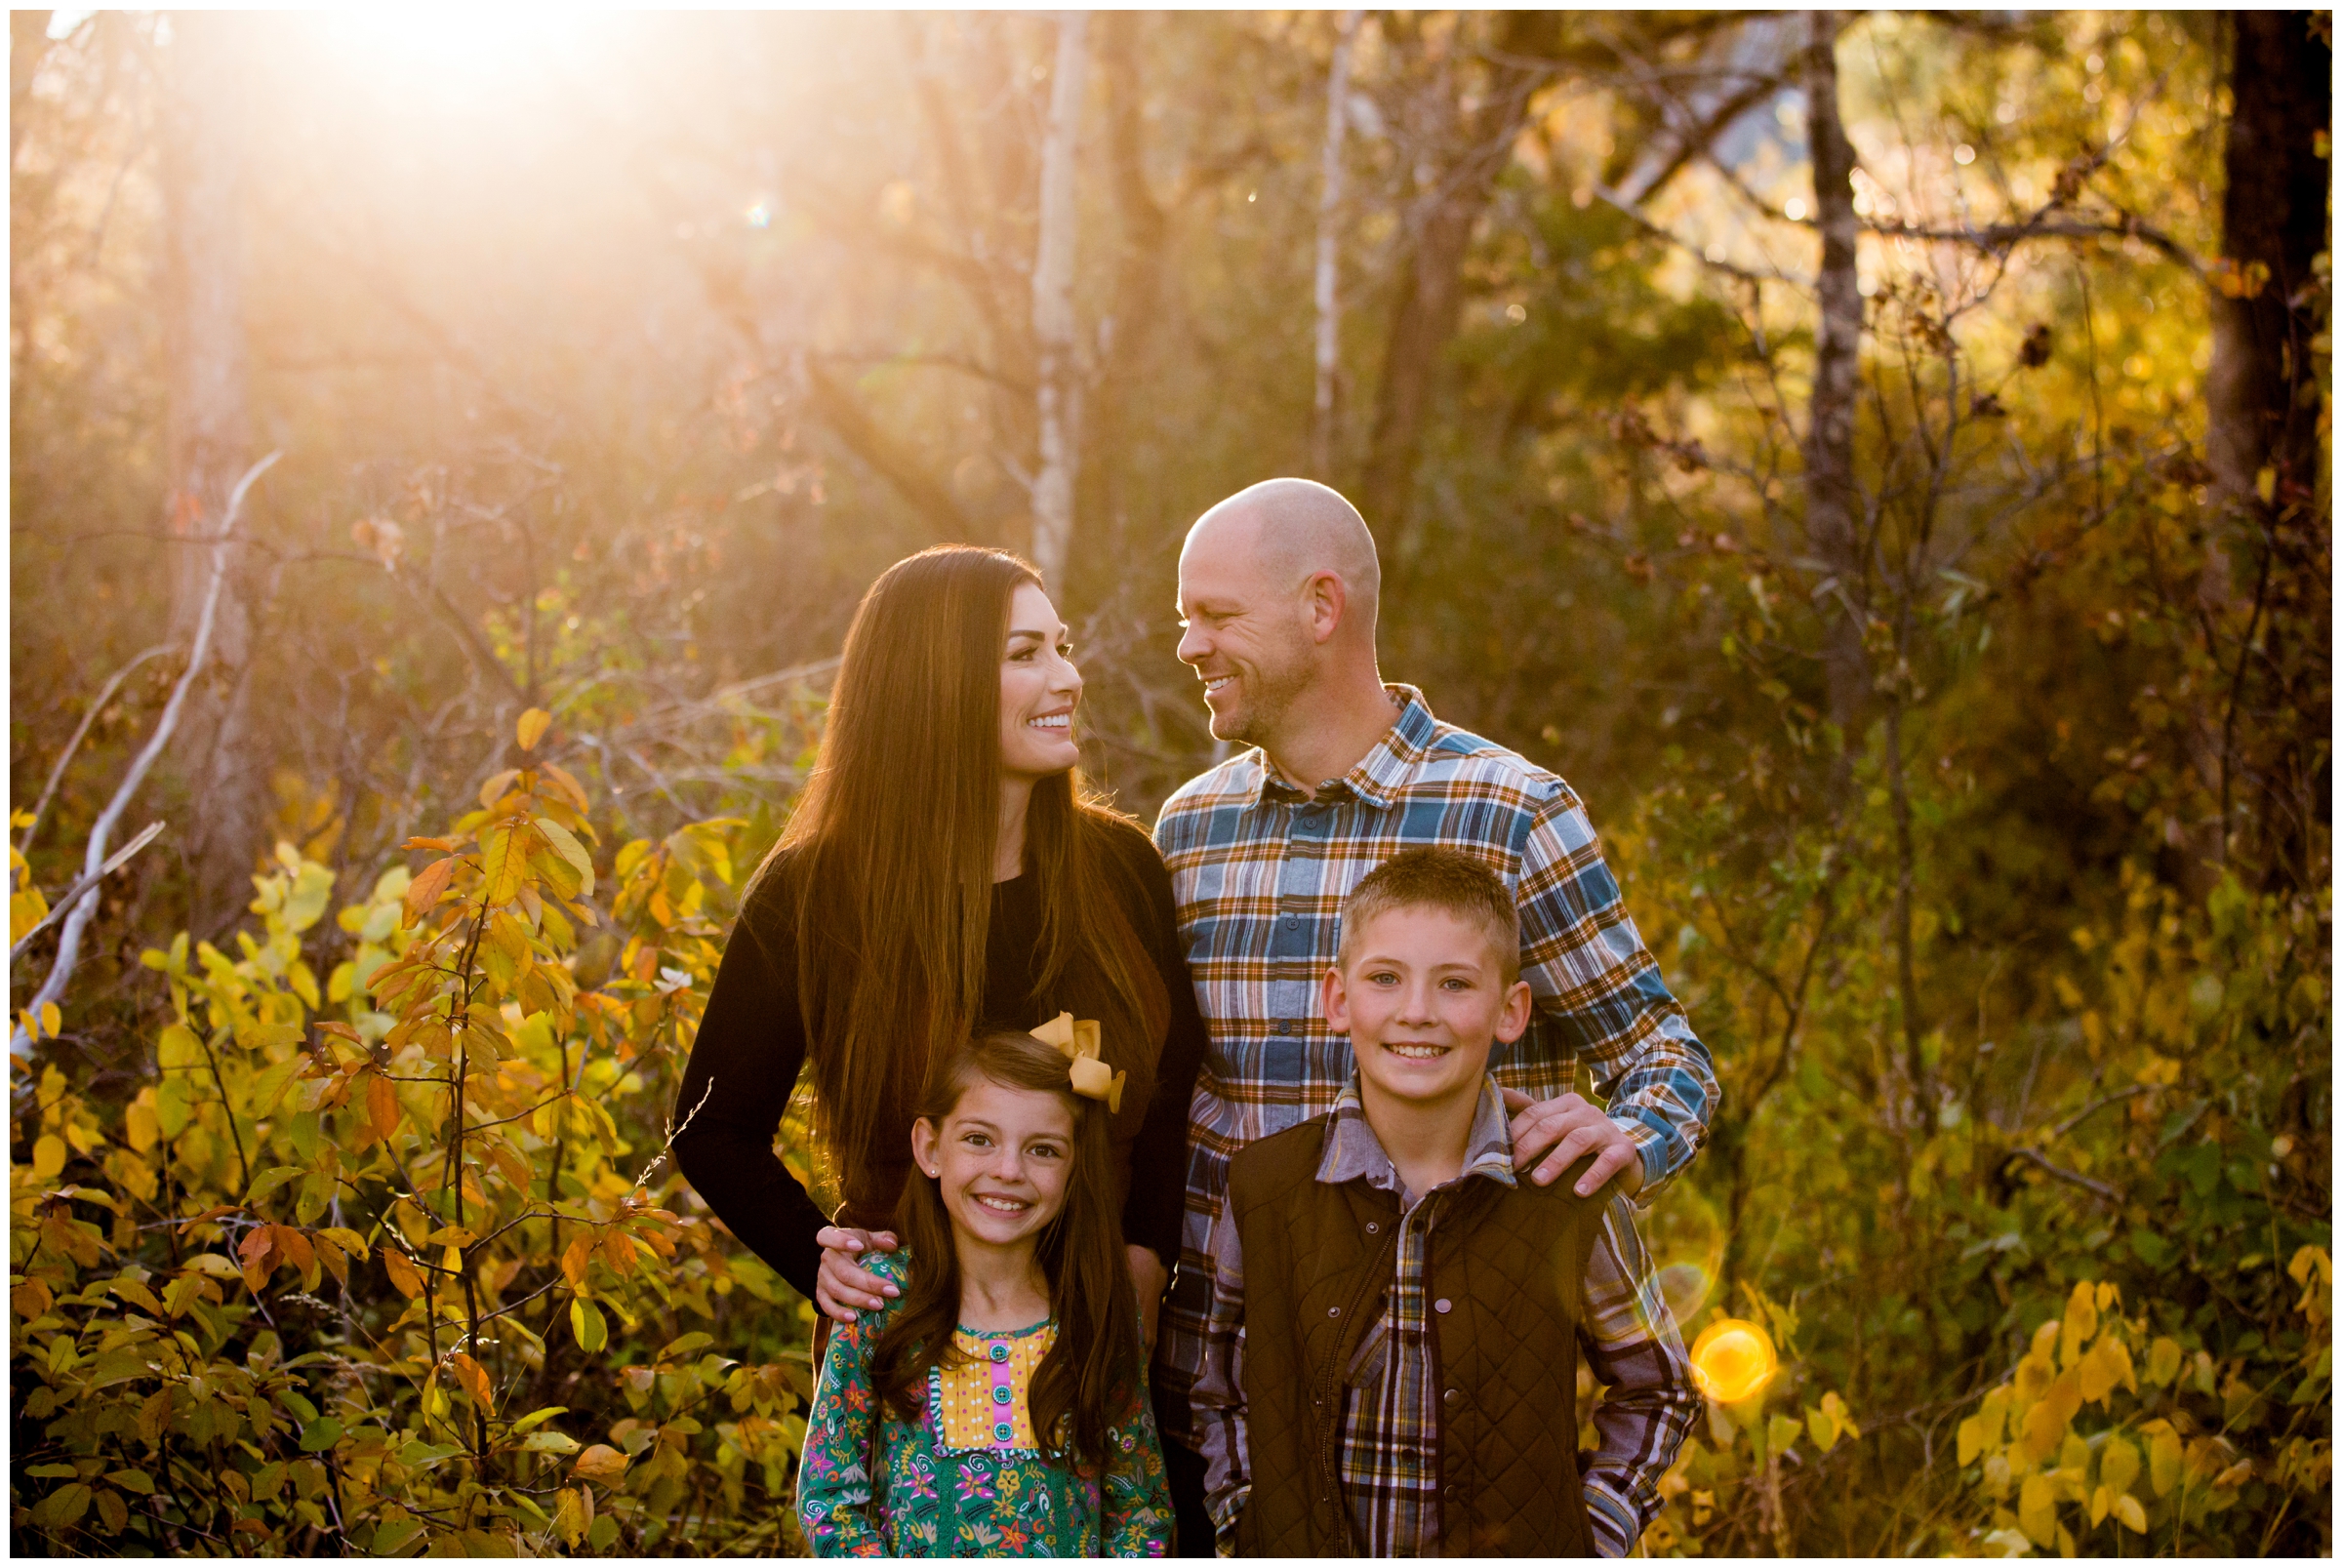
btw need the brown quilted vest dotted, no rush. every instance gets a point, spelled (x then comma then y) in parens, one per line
(1317, 1260)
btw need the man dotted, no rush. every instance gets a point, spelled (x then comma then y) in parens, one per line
(1277, 591)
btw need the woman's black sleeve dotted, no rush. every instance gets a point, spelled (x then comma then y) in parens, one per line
(1154, 1214)
(744, 1066)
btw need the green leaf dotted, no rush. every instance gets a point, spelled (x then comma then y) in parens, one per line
(274, 1176)
(320, 1435)
(268, 1087)
(394, 1536)
(538, 1418)
(685, 1345)
(53, 1472)
(549, 1442)
(586, 1323)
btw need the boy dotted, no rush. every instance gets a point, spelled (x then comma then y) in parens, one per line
(1388, 1365)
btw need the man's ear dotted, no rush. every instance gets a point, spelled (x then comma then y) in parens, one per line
(1514, 1021)
(1325, 599)
(1334, 1002)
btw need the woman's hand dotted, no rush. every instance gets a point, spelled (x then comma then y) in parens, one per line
(1148, 1276)
(845, 1287)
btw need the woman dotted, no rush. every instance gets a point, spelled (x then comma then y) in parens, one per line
(946, 869)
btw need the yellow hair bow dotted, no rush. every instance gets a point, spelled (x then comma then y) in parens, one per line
(1078, 1039)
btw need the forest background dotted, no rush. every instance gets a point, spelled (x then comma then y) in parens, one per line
(1881, 461)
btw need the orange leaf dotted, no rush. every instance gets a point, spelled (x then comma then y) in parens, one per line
(382, 1106)
(258, 1245)
(618, 1251)
(403, 1274)
(474, 1379)
(575, 1256)
(600, 1462)
(423, 892)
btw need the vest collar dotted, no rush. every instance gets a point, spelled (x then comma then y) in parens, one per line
(1353, 1153)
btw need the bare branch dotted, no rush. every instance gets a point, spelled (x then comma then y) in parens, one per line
(68, 945)
(56, 774)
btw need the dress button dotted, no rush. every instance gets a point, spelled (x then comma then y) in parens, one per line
(1004, 1432)
(999, 1352)
(1001, 1397)
(1442, 1305)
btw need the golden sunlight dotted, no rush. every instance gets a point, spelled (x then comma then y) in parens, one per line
(1732, 1359)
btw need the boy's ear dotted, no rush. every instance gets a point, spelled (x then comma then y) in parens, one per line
(1514, 1021)
(1333, 1001)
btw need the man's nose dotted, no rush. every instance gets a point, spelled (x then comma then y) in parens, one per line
(1193, 645)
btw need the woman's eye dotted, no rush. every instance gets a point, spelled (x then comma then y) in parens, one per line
(977, 1140)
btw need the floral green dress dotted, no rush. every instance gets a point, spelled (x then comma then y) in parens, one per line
(966, 1479)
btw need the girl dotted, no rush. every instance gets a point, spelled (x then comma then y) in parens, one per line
(998, 1407)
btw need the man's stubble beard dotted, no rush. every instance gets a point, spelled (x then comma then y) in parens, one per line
(1270, 697)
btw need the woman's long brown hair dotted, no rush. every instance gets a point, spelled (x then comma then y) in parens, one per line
(889, 861)
(1088, 1374)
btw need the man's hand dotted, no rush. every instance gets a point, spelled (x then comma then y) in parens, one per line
(1569, 1127)
(1150, 1278)
(845, 1286)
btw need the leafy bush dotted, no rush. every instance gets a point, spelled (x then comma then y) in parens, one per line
(393, 1260)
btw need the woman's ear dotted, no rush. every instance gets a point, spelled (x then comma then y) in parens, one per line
(925, 1137)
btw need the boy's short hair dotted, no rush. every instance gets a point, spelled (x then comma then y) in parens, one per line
(1439, 880)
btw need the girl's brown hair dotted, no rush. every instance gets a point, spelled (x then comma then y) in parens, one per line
(889, 861)
(1096, 1357)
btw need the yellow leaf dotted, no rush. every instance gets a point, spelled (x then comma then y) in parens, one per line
(2037, 1510)
(2044, 1430)
(1836, 1409)
(506, 863)
(2098, 1373)
(2073, 1455)
(52, 1021)
(2101, 1501)
(2264, 483)
(474, 1379)
(48, 1157)
(2163, 1362)
(2134, 1517)
(1824, 1428)
(565, 844)
(2163, 1456)
(142, 1126)
(532, 727)
(573, 1514)
(404, 1277)
(2080, 1325)
(2118, 1465)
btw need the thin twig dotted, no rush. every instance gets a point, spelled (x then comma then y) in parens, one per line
(105, 695)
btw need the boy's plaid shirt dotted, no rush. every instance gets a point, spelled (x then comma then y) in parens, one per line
(1259, 871)
(1391, 1420)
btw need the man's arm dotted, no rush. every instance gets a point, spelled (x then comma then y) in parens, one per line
(1632, 1347)
(1218, 1396)
(1599, 986)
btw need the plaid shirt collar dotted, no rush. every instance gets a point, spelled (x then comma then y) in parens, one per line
(1377, 776)
(1352, 1151)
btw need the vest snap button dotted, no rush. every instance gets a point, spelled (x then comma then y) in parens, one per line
(1373, 1227)
(1442, 1305)
(1452, 1396)
(1333, 1312)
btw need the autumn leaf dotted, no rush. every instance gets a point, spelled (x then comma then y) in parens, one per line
(474, 1380)
(600, 1462)
(404, 1277)
(532, 727)
(423, 892)
(504, 863)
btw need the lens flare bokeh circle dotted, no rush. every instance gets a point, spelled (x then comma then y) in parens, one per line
(1732, 1359)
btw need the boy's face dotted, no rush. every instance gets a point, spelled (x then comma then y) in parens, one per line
(1421, 998)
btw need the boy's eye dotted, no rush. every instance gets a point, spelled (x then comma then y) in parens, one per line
(1455, 983)
(1383, 977)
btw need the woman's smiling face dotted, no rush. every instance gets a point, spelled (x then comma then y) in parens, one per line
(1001, 1158)
(1039, 690)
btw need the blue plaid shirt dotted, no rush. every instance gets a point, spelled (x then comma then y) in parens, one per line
(1259, 871)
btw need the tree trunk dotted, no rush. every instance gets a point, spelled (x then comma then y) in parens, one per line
(1329, 251)
(1430, 293)
(1059, 393)
(209, 430)
(2262, 439)
(1831, 524)
(1127, 335)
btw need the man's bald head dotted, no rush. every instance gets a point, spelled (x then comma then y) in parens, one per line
(1291, 530)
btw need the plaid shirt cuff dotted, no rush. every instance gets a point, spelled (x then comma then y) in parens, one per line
(1612, 1520)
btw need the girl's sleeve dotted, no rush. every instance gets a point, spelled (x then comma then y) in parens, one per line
(835, 1506)
(1137, 1500)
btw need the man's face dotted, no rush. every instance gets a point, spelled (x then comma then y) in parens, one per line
(1421, 998)
(1247, 637)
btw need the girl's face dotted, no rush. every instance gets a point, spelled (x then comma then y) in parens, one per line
(1002, 1158)
(1038, 688)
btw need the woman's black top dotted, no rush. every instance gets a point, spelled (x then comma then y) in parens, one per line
(751, 1044)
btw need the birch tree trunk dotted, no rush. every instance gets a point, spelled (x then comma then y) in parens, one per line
(1059, 395)
(1329, 251)
(1831, 523)
(209, 431)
